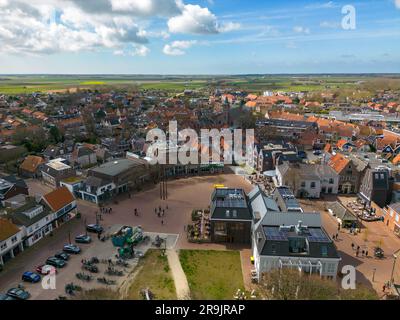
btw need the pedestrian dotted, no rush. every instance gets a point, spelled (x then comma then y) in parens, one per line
(357, 252)
(159, 214)
(338, 226)
(98, 236)
(333, 237)
(155, 210)
(352, 246)
(167, 207)
(337, 236)
(362, 253)
(358, 248)
(366, 253)
(162, 222)
(384, 288)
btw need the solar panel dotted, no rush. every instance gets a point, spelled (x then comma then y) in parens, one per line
(318, 235)
(273, 233)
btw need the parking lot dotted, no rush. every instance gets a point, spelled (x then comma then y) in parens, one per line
(183, 196)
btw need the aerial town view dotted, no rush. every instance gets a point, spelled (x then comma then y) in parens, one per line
(197, 150)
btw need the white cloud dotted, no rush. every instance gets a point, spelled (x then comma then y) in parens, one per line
(329, 24)
(177, 48)
(397, 3)
(194, 19)
(140, 50)
(229, 26)
(300, 29)
(51, 26)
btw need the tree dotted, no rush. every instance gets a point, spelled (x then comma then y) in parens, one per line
(55, 134)
(290, 284)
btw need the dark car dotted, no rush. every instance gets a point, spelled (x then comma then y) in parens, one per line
(83, 238)
(19, 294)
(71, 248)
(62, 255)
(4, 297)
(55, 262)
(95, 228)
(317, 152)
(31, 277)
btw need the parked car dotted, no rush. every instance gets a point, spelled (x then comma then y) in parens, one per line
(4, 297)
(95, 228)
(55, 262)
(62, 255)
(83, 238)
(32, 277)
(19, 294)
(317, 152)
(71, 248)
(45, 269)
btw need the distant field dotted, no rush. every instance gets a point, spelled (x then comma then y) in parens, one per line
(255, 84)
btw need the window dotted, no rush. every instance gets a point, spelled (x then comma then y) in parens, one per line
(331, 181)
(313, 185)
(324, 251)
(14, 239)
(331, 268)
(303, 184)
(234, 212)
(3, 246)
(227, 214)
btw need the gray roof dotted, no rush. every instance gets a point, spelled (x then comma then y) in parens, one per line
(114, 168)
(18, 217)
(395, 207)
(271, 240)
(230, 204)
(341, 211)
(290, 218)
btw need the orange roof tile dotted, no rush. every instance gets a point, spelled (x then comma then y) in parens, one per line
(7, 229)
(31, 163)
(59, 198)
(338, 162)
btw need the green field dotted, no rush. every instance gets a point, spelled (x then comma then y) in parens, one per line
(176, 84)
(212, 275)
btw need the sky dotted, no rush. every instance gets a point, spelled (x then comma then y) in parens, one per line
(199, 36)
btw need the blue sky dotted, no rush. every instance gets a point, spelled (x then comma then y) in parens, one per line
(198, 37)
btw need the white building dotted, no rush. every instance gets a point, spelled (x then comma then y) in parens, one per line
(296, 241)
(10, 240)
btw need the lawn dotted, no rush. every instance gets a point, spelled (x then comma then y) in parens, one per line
(153, 273)
(212, 275)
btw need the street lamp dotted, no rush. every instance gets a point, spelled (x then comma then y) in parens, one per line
(373, 275)
(395, 255)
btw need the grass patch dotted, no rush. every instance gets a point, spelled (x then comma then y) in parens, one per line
(212, 275)
(154, 274)
(98, 294)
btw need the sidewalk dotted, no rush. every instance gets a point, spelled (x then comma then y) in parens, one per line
(181, 283)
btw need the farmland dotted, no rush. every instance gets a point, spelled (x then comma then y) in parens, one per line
(26, 84)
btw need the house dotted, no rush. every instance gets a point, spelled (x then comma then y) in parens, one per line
(34, 220)
(350, 172)
(11, 186)
(260, 204)
(344, 145)
(53, 152)
(286, 200)
(268, 155)
(294, 240)
(31, 167)
(62, 203)
(114, 178)
(343, 216)
(308, 180)
(56, 170)
(376, 187)
(392, 217)
(83, 157)
(10, 240)
(231, 218)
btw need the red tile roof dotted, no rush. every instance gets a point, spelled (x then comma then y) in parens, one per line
(59, 198)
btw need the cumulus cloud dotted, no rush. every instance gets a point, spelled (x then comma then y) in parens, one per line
(50, 26)
(194, 19)
(178, 48)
